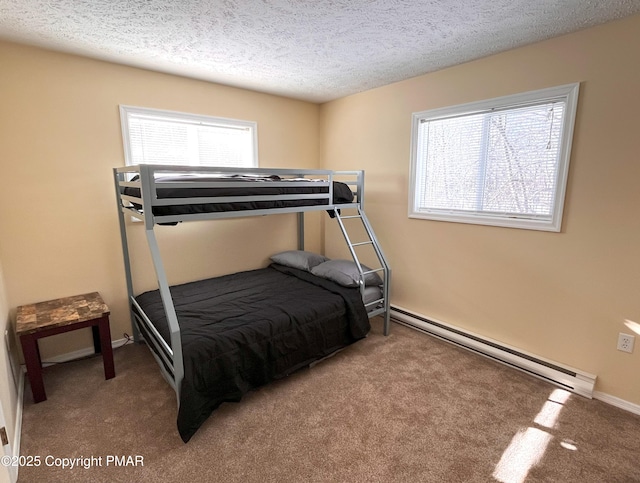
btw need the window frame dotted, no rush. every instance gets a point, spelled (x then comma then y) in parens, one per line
(568, 93)
(125, 110)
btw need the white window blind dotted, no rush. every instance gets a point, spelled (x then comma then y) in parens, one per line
(500, 162)
(172, 138)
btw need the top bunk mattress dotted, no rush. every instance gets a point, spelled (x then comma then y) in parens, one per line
(244, 186)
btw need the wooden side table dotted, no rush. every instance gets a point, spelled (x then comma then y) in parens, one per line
(55, 317)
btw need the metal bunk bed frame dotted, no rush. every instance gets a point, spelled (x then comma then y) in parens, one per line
(143, 177)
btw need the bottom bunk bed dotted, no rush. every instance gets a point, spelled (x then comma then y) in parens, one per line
(243, 330)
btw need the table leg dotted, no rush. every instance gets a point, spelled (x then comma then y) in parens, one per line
(34, 367)
(96, 339)
(106, 349)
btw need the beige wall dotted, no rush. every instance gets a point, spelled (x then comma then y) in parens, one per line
(564, 296)
(60, 138)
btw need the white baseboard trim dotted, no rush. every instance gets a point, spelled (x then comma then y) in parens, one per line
(15, 445)
(617, 402)
(87, 351)
(564, 376)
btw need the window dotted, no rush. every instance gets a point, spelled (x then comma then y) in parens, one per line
(152, 136)
(501, 162)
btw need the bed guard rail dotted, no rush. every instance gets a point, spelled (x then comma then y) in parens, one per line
(139, 191)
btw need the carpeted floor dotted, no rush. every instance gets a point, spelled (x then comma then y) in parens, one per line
(403, 408)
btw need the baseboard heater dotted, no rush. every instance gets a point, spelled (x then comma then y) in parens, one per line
(566, 377)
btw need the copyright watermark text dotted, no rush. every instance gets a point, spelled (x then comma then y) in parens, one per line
(85, 462)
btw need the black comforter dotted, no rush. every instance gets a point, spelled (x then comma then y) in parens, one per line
(243, 330)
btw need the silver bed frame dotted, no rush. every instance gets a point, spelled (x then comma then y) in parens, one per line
(169, 358)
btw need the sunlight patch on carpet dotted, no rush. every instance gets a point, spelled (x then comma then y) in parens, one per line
(569, 444)
(525, 451)
(528, 446)
(548, 415)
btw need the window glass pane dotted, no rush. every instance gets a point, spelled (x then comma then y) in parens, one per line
(505, 159)
(451, 154)
(158, 141)
(231, 145)
(170, 138)
(502, 162)
(522, 160)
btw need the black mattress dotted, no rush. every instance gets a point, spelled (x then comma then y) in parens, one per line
(259, 186)
(244, 330)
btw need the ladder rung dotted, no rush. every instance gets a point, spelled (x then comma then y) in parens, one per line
(375, 302)
(350, 216)
(373, 271)
(362, 243)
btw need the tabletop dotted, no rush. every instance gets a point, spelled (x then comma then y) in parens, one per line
(60, 312)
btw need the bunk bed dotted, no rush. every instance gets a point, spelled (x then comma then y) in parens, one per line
(216, 339)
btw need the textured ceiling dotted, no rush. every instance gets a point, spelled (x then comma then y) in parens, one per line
(316, 50)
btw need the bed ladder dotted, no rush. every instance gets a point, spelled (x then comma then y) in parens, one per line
(383, 303)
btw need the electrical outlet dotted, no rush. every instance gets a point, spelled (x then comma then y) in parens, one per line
(625, 342)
